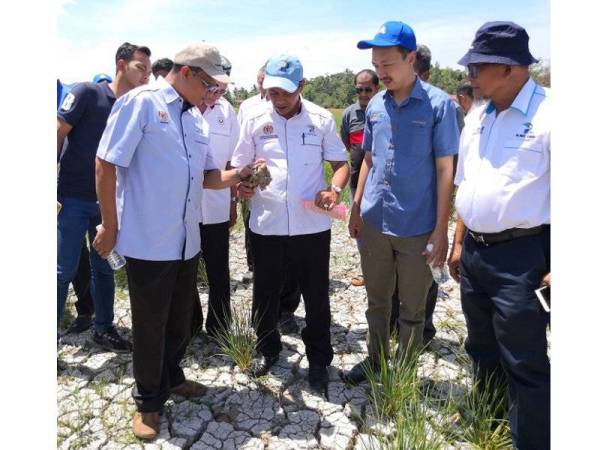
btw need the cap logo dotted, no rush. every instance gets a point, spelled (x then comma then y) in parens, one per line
(381, 29)
(268, 129)
(283, 65)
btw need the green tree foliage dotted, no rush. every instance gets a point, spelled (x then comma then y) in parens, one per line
(446, 79)
(540, 72)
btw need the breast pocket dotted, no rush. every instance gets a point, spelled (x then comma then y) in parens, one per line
(523, 159)
(418, 138)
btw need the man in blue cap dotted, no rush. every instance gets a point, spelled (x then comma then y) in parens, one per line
(501, 250)
(402, 200)
(295, 137)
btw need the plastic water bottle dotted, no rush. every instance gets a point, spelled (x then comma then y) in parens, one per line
(115, 261)
(439, 273)
(338, 212)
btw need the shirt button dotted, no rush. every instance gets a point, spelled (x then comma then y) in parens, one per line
(190, 155)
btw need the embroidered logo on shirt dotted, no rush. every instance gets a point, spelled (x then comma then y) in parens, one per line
(221, 120)
(268, 129)
(163, 117)
(527, 133)
(419, 123)
(67, 102)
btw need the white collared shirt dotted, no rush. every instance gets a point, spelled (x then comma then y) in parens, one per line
(249, 104)
(224, 134)
(161, 154)
(295, 150)
(503, 173)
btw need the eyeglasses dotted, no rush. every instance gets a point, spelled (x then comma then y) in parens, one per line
(212, 88)
(367, 90)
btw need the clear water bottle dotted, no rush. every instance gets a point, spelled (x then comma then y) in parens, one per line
(439, 273)
(115, 261)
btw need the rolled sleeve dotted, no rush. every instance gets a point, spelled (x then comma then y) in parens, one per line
(74, 104)
(123, 132)
(333, 147)
(245, 151)
(445, 130)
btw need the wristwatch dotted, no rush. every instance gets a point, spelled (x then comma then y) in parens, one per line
(336, 189)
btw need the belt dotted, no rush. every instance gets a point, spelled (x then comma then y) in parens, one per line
(488, 239)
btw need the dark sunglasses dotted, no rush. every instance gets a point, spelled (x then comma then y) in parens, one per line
(367, 90)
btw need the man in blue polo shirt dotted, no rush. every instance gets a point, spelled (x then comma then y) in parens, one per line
(82, 117)
(402, 200)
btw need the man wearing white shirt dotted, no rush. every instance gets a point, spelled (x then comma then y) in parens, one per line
(151, 164)
(501, 250)
(219, 210)
(295, 137)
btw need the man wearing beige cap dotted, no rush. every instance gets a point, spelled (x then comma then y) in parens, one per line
(152, 162)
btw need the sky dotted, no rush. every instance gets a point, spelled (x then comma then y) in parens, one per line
(323, 34)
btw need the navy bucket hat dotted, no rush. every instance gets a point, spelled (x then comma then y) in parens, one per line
(499, 43)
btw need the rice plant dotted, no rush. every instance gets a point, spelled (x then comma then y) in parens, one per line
(236, 338)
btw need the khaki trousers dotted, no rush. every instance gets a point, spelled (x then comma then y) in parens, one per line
(387, 260)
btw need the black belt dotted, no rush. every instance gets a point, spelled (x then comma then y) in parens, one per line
(488, 239)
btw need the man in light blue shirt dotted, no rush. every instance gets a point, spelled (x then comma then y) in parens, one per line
(151, 163)
(402, 200)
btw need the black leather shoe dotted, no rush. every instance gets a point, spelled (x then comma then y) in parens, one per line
(288, 324)
(359, 372)
(260, 366)
(318, 377)
(80, 324)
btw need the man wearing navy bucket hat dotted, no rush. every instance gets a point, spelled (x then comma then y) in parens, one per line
(402, 200)
(501, 250)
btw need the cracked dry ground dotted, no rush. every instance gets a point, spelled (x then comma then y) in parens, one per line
(278, 411)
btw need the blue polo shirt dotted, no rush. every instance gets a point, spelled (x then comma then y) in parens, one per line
(400, 196)
(86, 108)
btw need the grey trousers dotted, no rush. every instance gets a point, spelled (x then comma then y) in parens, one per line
(387, 260)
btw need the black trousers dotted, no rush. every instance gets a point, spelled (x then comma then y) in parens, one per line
(215, 251)
(290, 295)
(429, 329)
(162, 298)
(507, 328)
(82, 282)
(308, 256)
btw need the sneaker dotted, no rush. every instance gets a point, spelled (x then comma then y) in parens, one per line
(110, 340)
(80, 324)
(288, 324)
(260, 366)
(359, 372)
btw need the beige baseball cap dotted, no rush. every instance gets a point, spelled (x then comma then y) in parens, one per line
(206, 57)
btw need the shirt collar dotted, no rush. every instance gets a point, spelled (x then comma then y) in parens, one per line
(417, 92)
(169, 91)
(522, 100)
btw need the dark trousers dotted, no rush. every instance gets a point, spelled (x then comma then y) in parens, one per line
(82, 282)
(290, 295)
(308, 255)
(429, 329)
(507, 328)
(162, 298)
(214, 239)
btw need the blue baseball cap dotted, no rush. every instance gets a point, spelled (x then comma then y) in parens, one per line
(102, 77)
(283, 71)
(391, 34)
(499, 43)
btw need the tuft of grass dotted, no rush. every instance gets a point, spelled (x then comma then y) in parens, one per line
(482, 417)
(236, 339)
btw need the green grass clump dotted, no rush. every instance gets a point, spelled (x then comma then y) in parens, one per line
(236, 339)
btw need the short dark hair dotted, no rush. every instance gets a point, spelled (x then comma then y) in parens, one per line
(162, 64)
(374, 77)
(126, 51)
(423, 59)
(465, 89)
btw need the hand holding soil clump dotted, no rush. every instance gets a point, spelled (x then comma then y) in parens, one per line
(260, 177)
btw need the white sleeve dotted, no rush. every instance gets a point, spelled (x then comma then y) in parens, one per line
(333, 147)
(245, 151)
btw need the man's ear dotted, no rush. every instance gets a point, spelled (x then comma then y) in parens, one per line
(121, 63)
(301, 85)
